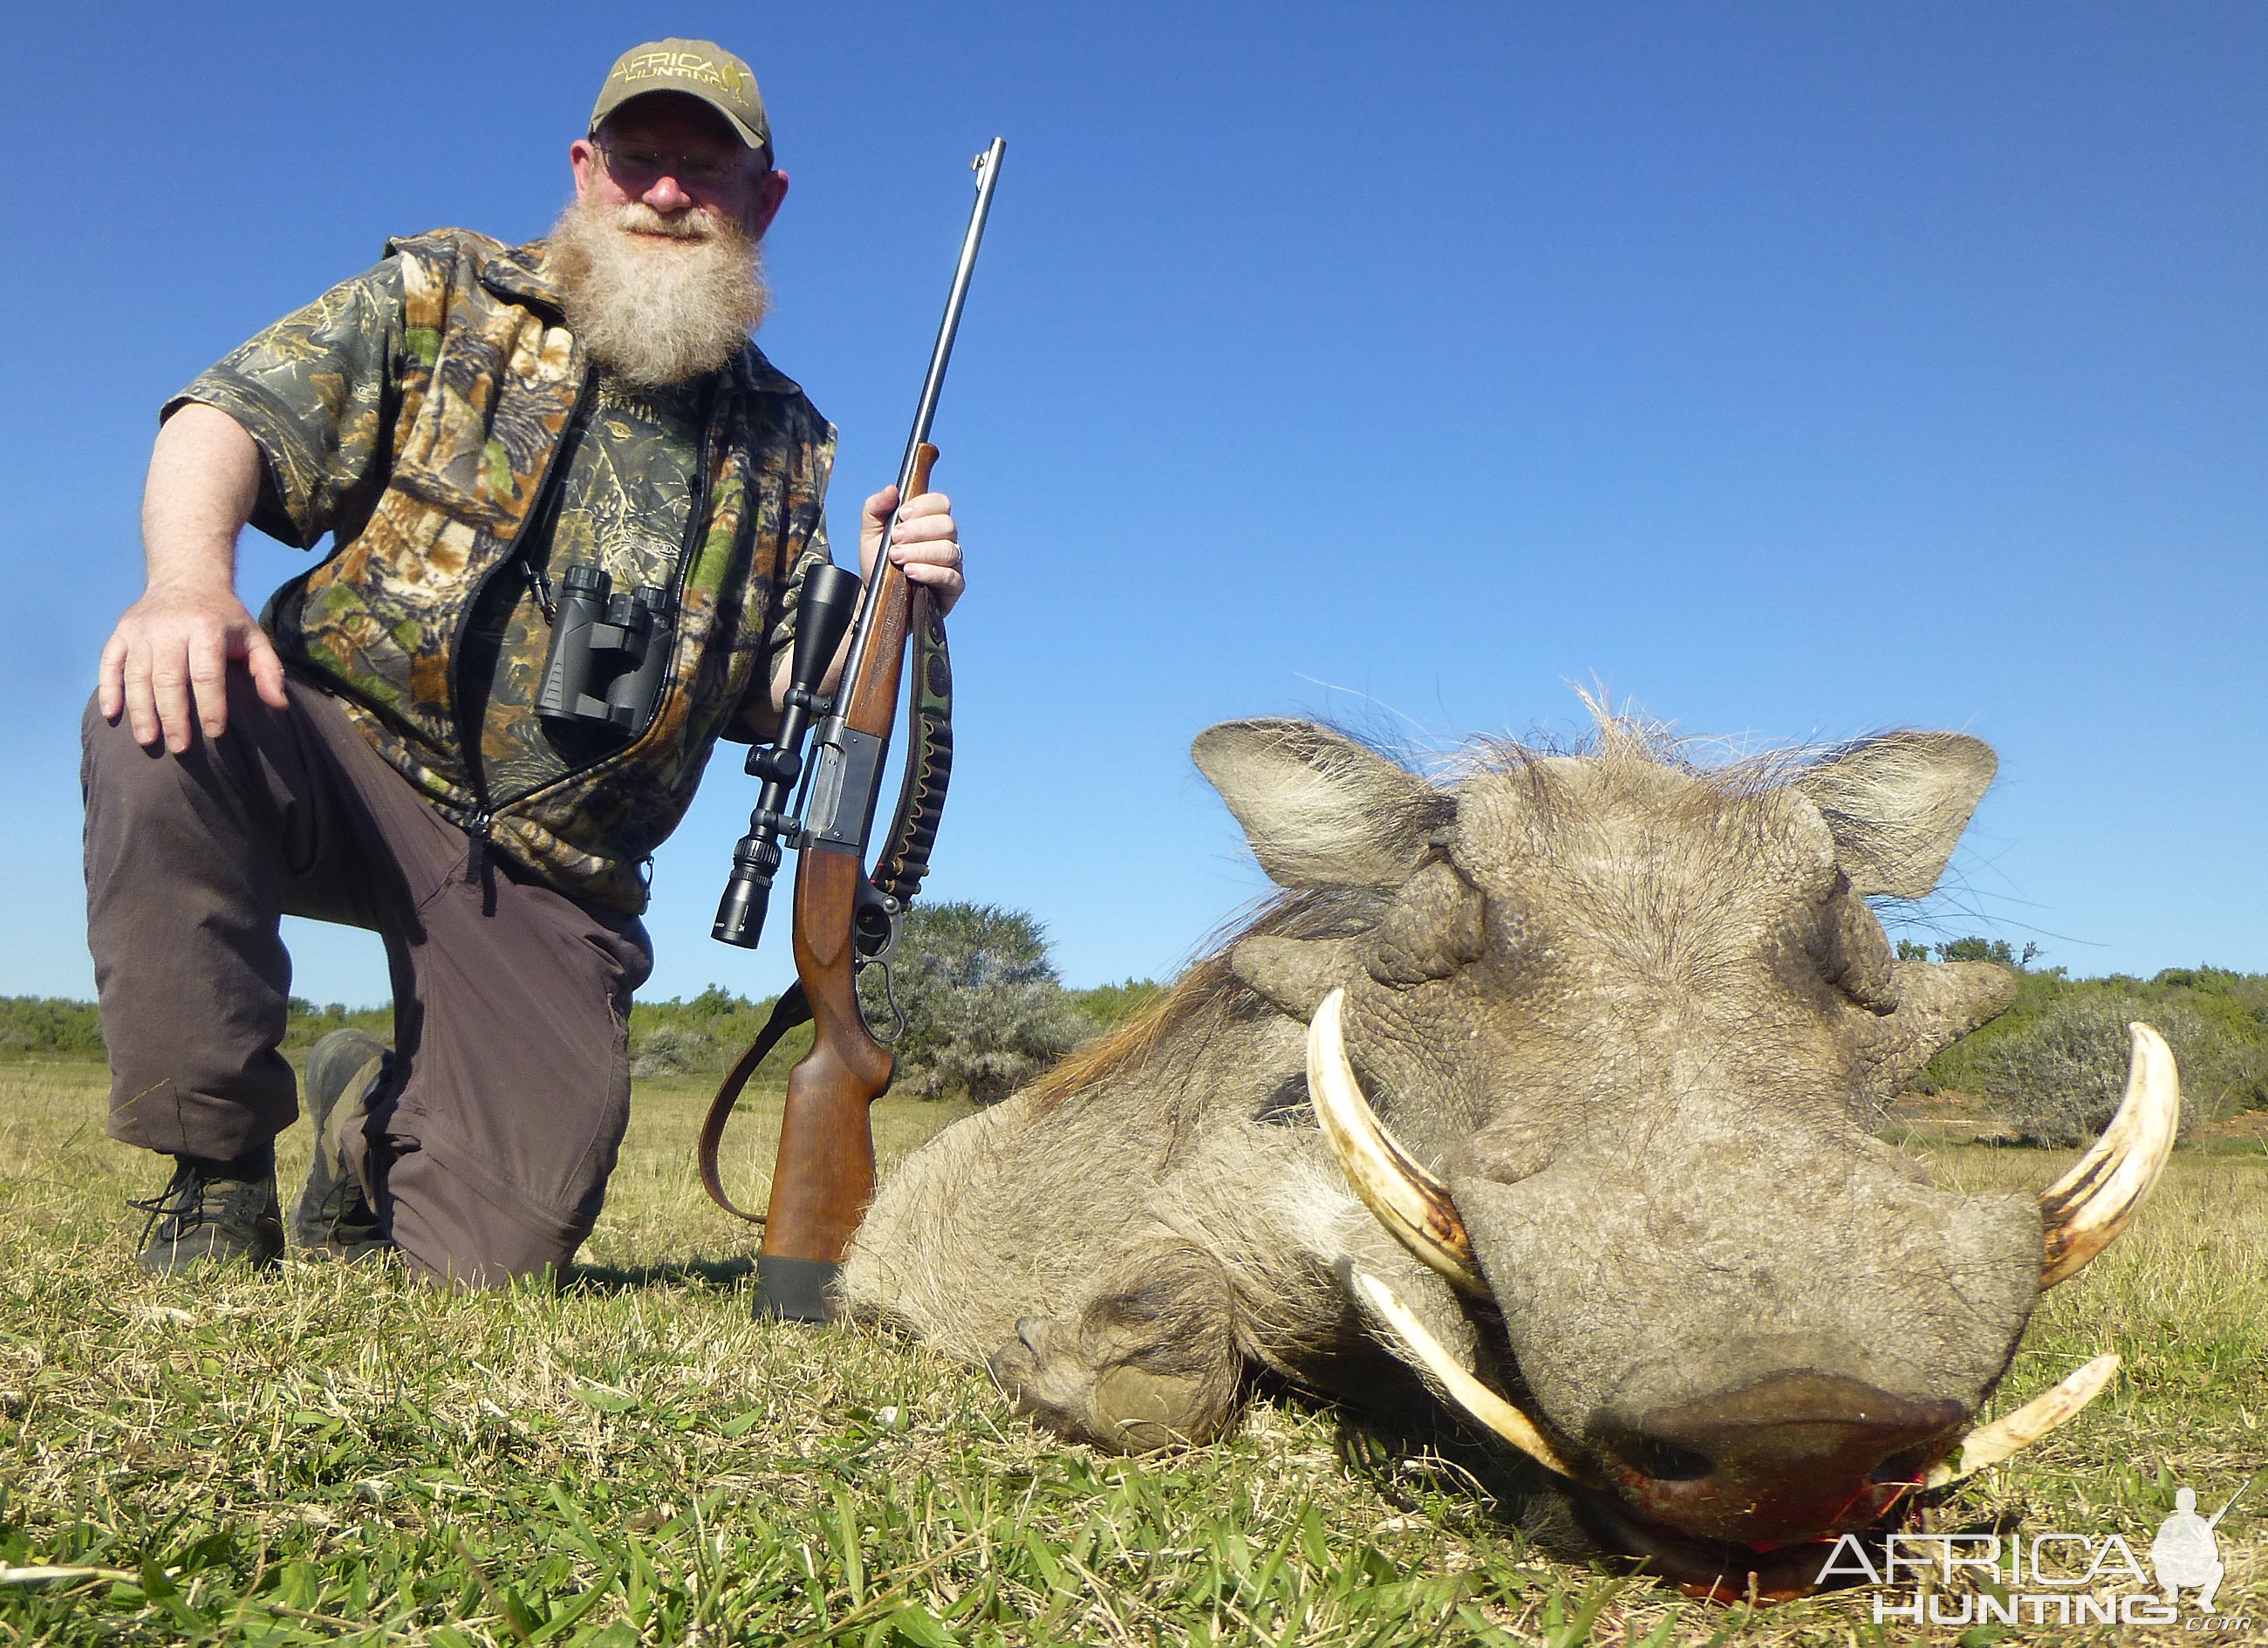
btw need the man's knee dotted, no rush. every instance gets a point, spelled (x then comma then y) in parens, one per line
(454, 1219)
(109, 752)
(117, 768)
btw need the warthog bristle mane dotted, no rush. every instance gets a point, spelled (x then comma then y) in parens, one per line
(1208, 991)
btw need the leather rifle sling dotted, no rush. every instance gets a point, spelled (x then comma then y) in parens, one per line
(898, 872)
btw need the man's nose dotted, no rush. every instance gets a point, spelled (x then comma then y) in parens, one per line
(668, 195)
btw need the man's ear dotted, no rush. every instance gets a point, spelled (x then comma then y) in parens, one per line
(1319, 809)
(1897, 804)
(771, 193)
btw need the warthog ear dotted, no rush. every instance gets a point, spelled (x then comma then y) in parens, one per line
(1895, 805)
(1295, 974)
(1319, 809)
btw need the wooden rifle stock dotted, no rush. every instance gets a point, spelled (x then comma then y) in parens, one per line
(824, 1175)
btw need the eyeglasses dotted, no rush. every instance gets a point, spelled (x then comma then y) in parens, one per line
(639, 169)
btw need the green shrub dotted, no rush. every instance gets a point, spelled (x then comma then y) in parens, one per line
(2054, 1062)
(984, 1008)
(984, 1012)
(2060, 1075)
(673, 1049)
(703, 1035)
(1977, 950)
(309, 1024)
(1110, 1005)
(2059, 1082)
(49, 1024)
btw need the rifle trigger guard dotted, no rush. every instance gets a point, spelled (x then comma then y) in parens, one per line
(897, 1011)
(876, 920)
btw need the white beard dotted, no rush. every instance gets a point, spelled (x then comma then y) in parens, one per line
(658, 312)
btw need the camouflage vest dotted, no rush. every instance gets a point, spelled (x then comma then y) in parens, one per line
(492, 380)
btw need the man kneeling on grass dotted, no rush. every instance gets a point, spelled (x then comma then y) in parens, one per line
(481, 429)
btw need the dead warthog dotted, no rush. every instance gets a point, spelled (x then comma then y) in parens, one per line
(1546, 1089)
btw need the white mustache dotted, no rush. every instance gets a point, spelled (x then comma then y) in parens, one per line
(696, 223)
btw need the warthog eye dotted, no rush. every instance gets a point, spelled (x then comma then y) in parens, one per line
(1856, 954)
(1436, 926)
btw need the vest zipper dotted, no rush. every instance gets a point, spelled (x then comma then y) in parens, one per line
(477, 847)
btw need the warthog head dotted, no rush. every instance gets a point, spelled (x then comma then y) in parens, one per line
(1602, 1039)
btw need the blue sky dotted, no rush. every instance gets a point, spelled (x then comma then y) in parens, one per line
(1790, 371)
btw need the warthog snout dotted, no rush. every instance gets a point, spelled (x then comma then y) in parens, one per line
(1786, 1457)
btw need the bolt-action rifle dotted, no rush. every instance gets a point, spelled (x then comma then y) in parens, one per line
(844, 917)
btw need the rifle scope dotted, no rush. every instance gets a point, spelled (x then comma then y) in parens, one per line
(830, 593)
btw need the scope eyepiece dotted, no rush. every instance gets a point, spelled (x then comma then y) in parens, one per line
(740, 914)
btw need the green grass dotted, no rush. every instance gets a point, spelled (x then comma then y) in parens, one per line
(326, 1454)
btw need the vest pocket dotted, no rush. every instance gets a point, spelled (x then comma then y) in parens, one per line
(499, 396)
(380, 615)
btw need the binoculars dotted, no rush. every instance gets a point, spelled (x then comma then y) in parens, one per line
(609, 654)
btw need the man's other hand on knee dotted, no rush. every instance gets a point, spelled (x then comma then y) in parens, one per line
(165, 666)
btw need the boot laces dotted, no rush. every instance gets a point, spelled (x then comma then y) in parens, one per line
(189, 1199)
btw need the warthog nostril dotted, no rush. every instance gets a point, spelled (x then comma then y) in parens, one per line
(1662, 1461)
(1906, 1465)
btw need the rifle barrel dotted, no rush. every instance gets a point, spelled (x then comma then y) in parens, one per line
(987, 168)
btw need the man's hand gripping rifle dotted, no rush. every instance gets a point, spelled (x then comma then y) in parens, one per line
(844, 917)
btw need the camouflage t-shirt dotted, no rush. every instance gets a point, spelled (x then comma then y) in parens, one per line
(311, 391)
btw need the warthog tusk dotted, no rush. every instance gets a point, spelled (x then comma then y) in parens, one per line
(2084, 1210)
(1476, 1399)
(1406, 1199)
(2018, 1431)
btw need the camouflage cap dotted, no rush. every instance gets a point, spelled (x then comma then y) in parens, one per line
(698, 69)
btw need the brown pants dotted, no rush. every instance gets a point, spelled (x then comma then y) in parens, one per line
(487, 1152)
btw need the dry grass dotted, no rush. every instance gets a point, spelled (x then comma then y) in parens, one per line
(323, 1455)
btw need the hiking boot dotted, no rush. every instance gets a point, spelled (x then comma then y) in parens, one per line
(333, 1217)
(213, 1212)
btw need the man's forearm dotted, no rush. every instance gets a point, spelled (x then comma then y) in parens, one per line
(165, 666)
(204, 482)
